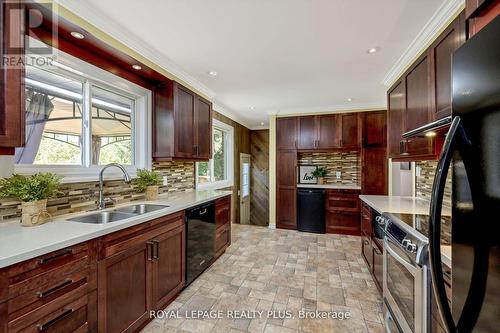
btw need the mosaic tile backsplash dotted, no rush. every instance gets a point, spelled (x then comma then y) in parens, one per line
(423, 183)
(79, 197)
(423, 189)
(347, 162)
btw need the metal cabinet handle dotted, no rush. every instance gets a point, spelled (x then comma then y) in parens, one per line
(156, 250)
(58, 255)
(366, 242)
(43, 294)
(203, 212)
(43, 327)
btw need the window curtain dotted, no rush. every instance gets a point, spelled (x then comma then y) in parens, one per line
(38, 109)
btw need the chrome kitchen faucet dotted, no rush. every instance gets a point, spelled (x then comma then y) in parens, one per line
(126, 178)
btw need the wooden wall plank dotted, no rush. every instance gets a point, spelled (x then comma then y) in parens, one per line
(259, 180)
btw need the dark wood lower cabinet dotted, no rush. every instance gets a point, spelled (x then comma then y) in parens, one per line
(109, 284)
(346, 223)
(286, 208)
(366, 251)
(342, 212)
(169, 266)
(125, 281)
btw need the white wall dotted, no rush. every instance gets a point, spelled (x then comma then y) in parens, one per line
(6, 166)
(402, 181)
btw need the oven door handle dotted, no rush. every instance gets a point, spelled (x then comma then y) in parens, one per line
(411, 268)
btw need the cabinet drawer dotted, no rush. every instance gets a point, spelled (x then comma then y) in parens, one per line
(378, 265)
(367, 252)
(222, 237)
(223, 201)
(343, 222)
(48, 262)
(53, 286)
(75, 312)
(345, 203)
(222, 214)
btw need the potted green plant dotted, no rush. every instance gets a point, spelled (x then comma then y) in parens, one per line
(33, 192)
(320, 174)
(148, 181)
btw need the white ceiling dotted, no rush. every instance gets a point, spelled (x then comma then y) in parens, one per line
(277, 56)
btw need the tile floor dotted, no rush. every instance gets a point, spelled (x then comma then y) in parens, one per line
(284, 272)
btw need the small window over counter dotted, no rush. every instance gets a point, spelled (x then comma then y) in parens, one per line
(80, 117)
(218, 171)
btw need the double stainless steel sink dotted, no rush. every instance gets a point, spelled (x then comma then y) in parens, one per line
(117, 214)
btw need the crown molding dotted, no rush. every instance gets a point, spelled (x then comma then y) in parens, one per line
(225, 111)
(127, 38)
(448, 10)
(340, 108)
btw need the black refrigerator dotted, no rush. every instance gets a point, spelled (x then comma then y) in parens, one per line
(472, 148)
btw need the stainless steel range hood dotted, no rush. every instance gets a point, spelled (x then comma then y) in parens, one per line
(436, 128)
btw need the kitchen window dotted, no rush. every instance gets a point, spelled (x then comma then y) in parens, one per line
(80, 117)
(218, 171)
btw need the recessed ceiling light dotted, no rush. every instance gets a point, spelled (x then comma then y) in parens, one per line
(252, 108)
(349, 99)
(77, 35)
(262, 123)
(373, 50)
(136, 67)
(212, 73)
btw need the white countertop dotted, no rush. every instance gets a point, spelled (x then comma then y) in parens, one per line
(19, 243)
(330, 186)
(395, 204)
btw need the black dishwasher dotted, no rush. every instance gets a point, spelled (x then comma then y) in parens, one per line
(311, 210)
(200, 240)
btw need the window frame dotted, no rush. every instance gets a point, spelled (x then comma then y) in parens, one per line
(141, 119)
(228, 131)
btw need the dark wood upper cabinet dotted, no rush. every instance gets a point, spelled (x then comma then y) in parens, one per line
(417, 94)
(374, 129)
(12, 97)
(422, 95)
(441, 52)
(332, 131)
(184, 120)
(182, 124)
(286, 133)
(395, 119)
(308, 132)
(287, 166)
(350, 130)
(203, 125)
(328, 129)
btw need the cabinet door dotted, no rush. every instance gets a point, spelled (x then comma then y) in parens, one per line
(374, 175)
(286, 208)
(203, 125)
(374, 129)
(286, 162)
(328, 131)
(168, 266)
(366, 220)
(308, 138)
(417, 94)
(395, 119)
(441, 55)
(163, 121)
(350, 130)
(184, 105)
(124, 291)
(286, 133)
(12, 99)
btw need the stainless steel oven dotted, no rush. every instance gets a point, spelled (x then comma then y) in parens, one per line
(406, 279)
